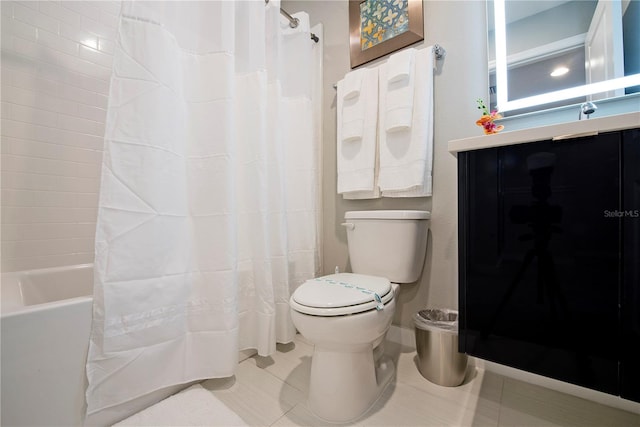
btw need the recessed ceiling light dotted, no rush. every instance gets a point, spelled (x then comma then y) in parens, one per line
(560, 71)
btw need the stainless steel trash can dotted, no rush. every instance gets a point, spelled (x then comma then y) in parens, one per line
(437, 343)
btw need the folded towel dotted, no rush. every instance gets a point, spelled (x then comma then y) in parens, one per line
(356, 157)
(400, 90)
(352, 84)
(353, 106)
(352, 121)
(368, 194)
(362, 195)
(406, 156)
(400, 65)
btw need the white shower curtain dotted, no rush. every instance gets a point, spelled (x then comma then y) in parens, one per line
(208, 214)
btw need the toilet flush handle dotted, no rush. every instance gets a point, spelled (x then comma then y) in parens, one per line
(349, 225)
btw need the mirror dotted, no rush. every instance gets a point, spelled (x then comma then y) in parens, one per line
(545, 54)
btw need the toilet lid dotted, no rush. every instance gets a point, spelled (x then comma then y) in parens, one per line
(339, 294)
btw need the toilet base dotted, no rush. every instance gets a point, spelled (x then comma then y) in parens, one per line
(345, 384)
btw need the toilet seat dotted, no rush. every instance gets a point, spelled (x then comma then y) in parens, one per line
(341, 294)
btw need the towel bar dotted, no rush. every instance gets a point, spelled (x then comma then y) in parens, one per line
(438, 50)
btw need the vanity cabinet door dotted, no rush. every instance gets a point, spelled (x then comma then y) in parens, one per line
(540, 258)
(630, 298)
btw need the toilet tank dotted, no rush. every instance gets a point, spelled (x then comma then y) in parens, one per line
(389, 243)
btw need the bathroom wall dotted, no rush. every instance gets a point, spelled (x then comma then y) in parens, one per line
(56, 66)
(56, 60)
(461, 78)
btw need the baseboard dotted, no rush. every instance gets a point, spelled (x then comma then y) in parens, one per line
(406, 337)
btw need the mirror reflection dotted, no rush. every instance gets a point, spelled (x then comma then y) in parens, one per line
(546, 54)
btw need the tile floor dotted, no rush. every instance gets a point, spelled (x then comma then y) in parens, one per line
(271, 391)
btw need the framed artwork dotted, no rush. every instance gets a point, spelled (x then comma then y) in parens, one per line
(379, 27)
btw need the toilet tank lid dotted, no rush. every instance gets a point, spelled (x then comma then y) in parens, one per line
(390, 214)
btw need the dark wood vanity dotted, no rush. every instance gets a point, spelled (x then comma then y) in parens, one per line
(549, 254)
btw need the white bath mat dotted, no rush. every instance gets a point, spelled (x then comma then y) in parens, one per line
(194, 406)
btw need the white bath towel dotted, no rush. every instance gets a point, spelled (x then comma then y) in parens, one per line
(368, 194)
(406, 156)
(194, 406)
(356, 158)
(352, 84)
(353, 106)
(400, 80)
(400, 65)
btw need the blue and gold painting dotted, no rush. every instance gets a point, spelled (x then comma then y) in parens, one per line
(382, 20)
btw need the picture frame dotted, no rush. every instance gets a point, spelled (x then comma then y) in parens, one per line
(379, 27)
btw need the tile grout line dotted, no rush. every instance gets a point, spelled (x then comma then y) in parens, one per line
(281, 381)
(275, 376)
(284, 415)
(501, 398)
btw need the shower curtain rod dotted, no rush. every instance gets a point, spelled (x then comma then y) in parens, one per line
(293, 22)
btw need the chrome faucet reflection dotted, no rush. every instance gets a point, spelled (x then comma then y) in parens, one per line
(587, 108)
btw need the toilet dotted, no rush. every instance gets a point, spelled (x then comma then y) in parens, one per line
(346, 315)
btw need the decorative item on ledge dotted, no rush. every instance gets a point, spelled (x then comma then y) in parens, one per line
(486, 121)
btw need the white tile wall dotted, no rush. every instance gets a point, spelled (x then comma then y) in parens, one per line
(56, 66)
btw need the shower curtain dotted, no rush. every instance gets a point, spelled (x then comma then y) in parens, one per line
(208, 211)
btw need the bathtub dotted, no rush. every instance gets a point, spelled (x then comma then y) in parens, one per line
(45, 317)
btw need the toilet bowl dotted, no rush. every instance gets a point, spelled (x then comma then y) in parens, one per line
(342, 317)
(347, 315)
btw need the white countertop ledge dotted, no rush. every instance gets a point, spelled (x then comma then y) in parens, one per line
(543, 133)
